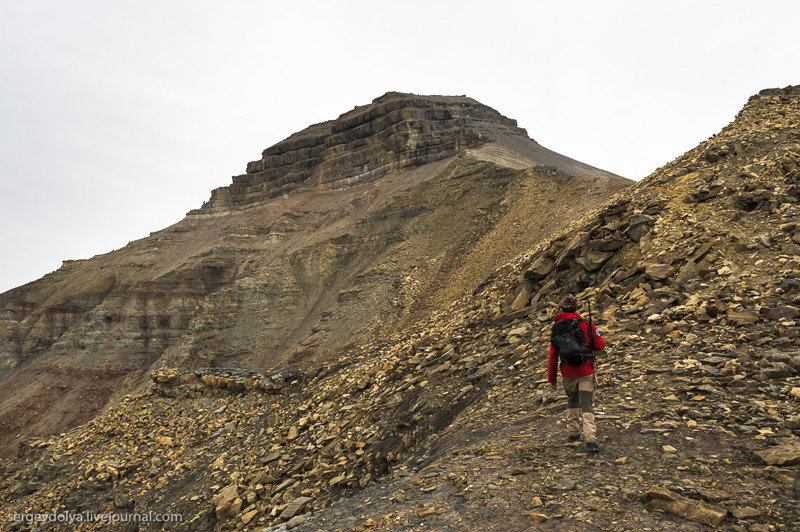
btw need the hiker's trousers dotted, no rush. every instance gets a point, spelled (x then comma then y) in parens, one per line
(580, 396)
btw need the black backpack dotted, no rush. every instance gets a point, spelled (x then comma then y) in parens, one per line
(569, 342)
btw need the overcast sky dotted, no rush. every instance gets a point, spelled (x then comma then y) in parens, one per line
(118, 117)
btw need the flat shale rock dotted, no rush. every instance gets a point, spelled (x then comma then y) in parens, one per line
(780, 455)
(688, 509)
(295, 507)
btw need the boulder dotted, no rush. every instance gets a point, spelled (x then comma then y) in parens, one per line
(639, 225)
(295, 507)
(742, 317)
(611, 244)
(692, 510)
(658, 272)
(593, 260)
(779, 312)
(540, 268)
(521, 300)
(225, 502)
(791, 249)
(688, 272)
(780, 455)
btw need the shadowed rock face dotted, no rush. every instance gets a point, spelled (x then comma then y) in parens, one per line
(345, 231)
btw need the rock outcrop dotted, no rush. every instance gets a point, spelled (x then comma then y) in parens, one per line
(344, 232)
(450, 424)
(396, 131)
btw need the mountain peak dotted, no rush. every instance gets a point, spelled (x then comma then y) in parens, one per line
(395, 131)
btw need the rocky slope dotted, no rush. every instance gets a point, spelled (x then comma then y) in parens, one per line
(345, 231)
(694, 276)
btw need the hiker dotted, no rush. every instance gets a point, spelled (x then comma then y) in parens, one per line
(577, 370)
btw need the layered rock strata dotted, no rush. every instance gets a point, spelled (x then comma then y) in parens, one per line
(396, 131)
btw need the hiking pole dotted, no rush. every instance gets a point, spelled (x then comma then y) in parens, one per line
(591, 342)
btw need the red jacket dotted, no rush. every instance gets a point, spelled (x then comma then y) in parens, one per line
(574, 371)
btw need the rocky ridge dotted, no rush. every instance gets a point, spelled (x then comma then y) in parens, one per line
(450, 425)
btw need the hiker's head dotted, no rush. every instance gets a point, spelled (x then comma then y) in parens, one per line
(569, 303)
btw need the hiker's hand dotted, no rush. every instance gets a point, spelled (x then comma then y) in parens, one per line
(553, 386)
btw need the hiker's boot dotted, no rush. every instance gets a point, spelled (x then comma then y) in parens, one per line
(592, 447)
(574, 438)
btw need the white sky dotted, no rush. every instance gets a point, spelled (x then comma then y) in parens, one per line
(117, 117)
